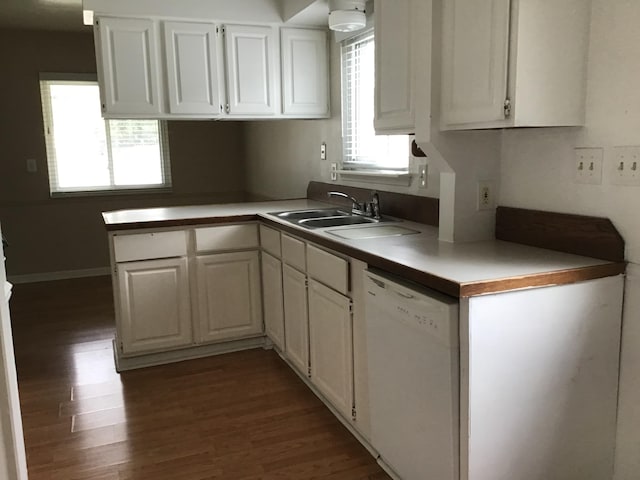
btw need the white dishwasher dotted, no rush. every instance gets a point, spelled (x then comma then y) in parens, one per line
(413, 362)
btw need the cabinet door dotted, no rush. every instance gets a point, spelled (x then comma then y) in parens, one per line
(305, 80)
(128, 66)
(475, 61)
(155, 312)
(394, 71)
(251, 74)
(272, 300)
(228, 292)
(296, 320)
(192, 68)
(331, 345)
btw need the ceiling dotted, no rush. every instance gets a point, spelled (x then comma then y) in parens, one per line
(67, 14)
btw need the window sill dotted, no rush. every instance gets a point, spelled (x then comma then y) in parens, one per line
(384, 177)
(112, 192)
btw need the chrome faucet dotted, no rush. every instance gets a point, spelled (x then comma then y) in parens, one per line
(356, 206)
(370, 209)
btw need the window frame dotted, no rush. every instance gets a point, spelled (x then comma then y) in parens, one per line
(51, 155)
(354, 166)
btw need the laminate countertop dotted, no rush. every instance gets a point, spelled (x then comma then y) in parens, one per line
(456, 269)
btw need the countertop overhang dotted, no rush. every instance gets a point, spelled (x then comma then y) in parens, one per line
(456, 269)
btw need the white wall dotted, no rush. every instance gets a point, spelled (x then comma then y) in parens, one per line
(537, 173)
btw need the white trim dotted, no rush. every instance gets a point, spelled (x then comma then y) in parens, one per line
(377, 176)
(63, 275)
(200, 351)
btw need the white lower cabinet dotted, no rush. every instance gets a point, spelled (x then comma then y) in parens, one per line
(331, 346)
(154, 306)
(272, 300)
(296, 323)
(228, 295)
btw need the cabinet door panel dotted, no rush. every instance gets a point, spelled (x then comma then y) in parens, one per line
(272, 300)
(304, 72)
(250, 70)
(475, 60)
(129, 66)
(296, 318)
(331, 345)
(229, 299)
(394, 72)
(192, 68)
(154, 305)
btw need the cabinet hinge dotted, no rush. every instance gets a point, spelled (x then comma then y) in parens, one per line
(226, 108)
(353, 414)
(224, 30)
(507, 107)
(350, 307)
(217, 31)
(309, 371)
(121, 346)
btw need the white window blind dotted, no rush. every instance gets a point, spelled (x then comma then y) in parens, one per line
(362, 148)
(86, 153)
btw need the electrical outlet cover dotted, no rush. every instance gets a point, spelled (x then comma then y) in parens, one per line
(626, 166)
(485, 195)
(588, 166)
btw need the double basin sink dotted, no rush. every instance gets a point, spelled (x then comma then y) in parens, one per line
(325, 218)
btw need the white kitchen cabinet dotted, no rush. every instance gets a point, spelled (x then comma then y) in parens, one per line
(331, 346)
(272, 300)
(128, 66)
(193, 78)
(251, 70)
(305, 72)
(394, 75)
(154, 305)
(228, 296)
(514, 63)
(296, 320)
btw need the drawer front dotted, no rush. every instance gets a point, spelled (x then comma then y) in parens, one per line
(227, 237)
(270, 240)
(293, 253)
(146, 246)
(327, 268)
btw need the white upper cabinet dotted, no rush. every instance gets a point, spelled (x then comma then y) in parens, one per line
(514, 63)
(126, 51)
(304, 72)
(394, 67)
(193, 83)
(251, 70)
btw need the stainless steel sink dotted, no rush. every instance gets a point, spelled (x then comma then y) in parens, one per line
(296, 215)
(335, 221)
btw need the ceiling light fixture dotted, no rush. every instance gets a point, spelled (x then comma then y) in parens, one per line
(347, 15)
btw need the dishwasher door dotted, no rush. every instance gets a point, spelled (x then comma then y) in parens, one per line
(412, 345)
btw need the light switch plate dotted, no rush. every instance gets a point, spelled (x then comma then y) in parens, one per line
(626, 166)
(334, 171)
(423, 175)
(588, 166)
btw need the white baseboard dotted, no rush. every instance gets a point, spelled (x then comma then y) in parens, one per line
(64, 275)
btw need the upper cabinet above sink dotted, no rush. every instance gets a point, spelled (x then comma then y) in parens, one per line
(514, 63)
(160, 68)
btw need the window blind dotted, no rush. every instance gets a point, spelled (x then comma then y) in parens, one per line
(362, 148)
(86, 153)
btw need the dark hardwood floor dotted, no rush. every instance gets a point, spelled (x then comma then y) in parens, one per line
(237, 416)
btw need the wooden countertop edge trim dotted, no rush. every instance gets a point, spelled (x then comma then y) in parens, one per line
(560, 277)
(182, 222)
(440, 284)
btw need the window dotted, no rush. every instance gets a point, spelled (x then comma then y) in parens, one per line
(86, 153)
(362, 148)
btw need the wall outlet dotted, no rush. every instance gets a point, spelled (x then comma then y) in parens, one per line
(334, 171)
(32, 165)
(588, 166)
(423, 171)
(323, 151)
(626, 166)
(485, 196)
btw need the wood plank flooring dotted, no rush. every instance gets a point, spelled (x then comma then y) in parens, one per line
(239, 416)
